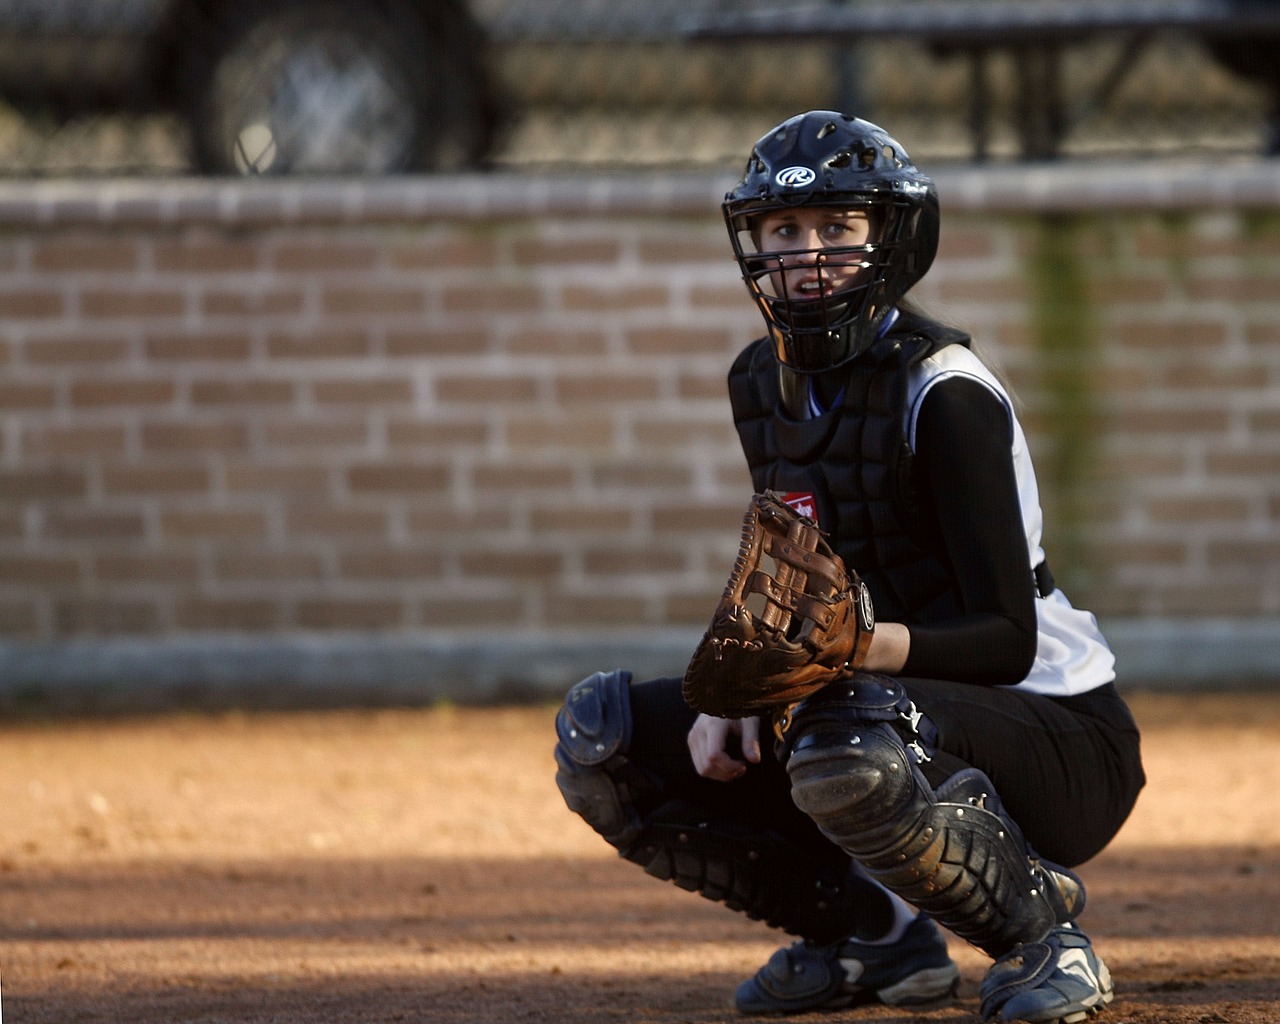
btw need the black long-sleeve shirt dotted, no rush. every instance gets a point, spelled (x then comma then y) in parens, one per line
(963, 455)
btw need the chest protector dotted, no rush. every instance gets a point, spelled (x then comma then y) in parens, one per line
(856, 463)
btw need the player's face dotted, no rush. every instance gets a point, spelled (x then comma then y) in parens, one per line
(809, 241)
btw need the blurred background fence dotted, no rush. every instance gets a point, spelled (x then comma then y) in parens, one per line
(106, 86)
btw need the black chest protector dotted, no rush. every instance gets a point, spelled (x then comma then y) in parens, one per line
(856, 463)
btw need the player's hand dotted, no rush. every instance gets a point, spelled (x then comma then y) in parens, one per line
(722, 747)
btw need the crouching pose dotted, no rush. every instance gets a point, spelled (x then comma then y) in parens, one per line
(972, 747)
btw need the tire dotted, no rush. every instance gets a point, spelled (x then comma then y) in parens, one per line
(328, 87)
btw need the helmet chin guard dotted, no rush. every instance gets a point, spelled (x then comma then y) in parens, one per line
(824, 306)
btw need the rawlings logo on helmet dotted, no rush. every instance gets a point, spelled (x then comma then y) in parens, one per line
(795, 177)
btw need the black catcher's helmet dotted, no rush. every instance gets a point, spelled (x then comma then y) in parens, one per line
(827, 159)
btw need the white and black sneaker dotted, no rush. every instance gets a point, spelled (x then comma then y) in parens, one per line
(1058, 980)
(914, 971)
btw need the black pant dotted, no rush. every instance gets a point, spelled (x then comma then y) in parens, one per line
(1068, 770)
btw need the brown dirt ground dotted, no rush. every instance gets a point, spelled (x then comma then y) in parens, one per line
(418, 865)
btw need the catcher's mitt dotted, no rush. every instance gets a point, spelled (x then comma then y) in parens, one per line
(815, 626)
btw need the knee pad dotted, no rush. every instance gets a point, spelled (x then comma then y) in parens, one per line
(597, 781)
(854, 757)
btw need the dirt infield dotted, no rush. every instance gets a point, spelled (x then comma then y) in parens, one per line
(418, 865)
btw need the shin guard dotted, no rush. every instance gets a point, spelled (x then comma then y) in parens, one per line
(954, 852)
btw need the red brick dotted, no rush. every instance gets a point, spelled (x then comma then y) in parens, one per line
(425, 341)
(72, 254)
(1251, 463)
(339, 523)
(198, 346)
(488, 297)
(488, 388)
(321, 344)
(95, 439)
(141, 303)
(432, 519)
(385, 563)
(1200, 508)
(155, 479)
(51, 483)
(618, 298)
(254, 391)
(965, 242)
(725, 296)
(18, 618)
(108, 616)
(1243, 551)
(1227, 599)
(397, 477)
(205, 256)
(642, 474)
(580, 519)
(20, 395)
(512, 564)
(246, 563)
(590, 251)
(282, 301)
(228, 613)
(329, 433)
(970, 291)
(262, 476)
(68, 351)
(39, 570)
(213, 523)
(31, 303)
(452, 252)
(675, 433)
(606, 388)
(324, 253)
(615, 562)
(123, 391)
(599, 609)
(372, 300)
(709, 245)
(94, 524)
(557, 342)
(688, 517)
(522, 476)
(229, 436)
(370, 391)
(146, 568)
(416, 435)
(705, 387)
(471, 613)
(566, 431)
(679, 341)
(1240, 287)
(1170, 336)
(335, 613)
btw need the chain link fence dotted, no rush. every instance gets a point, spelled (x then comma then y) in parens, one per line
(97, 87)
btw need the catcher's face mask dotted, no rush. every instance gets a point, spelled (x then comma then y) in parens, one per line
(831, 224)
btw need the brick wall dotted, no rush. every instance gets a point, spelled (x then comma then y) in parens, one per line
(488, 414)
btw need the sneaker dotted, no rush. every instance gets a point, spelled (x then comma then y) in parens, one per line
(910, 972)
(1058, 980)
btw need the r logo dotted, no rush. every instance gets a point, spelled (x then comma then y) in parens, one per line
(795, 177)
(803, 502)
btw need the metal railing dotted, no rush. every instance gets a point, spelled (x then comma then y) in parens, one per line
(598, 84)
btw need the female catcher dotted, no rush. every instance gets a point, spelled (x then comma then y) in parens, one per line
(976, 749)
